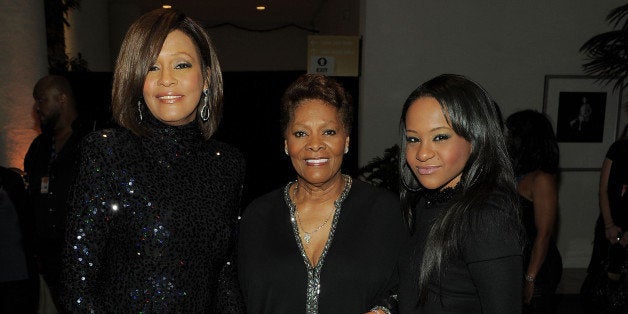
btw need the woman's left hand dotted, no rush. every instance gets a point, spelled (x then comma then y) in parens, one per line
(528, 291)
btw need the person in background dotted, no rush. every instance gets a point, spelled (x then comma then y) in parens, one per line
(534, 153)
(155, 205)
(457, 184)
(324, 243)
(610, 230)
(50, 165)
(18, 278)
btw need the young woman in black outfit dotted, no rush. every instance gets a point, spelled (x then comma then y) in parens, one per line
(465, 252)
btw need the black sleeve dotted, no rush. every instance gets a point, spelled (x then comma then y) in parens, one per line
(493, 254)
(228, 294)
(391, 225)
(86, 232)
(499, 283)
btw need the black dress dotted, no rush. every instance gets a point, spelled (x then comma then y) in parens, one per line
(618, 202)
(152, 223)
(551, 270)
(484, 278)
(354, 271)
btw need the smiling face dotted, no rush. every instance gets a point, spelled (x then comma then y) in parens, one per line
(434, 152)
(173, 85)
(316, 141)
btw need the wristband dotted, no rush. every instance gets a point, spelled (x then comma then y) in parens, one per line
(529, 278)
(378, 309)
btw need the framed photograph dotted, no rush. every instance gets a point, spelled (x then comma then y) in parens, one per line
(586, 116)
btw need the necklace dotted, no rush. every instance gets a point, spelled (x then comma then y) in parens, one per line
(307, 236)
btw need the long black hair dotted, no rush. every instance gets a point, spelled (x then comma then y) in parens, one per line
(531, 143)
(473, 115)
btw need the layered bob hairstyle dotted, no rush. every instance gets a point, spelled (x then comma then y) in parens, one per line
(320, 87)
(140, 48)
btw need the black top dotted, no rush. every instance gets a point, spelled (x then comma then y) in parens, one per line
(13, 260)
(152, 223)
(617, 191)
(49, 206)
(618, 183)
(484, 278)
(355, 270)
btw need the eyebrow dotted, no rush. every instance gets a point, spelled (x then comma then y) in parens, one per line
(179, 53)
(431, 130)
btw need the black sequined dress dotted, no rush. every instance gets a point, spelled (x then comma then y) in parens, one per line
(151, 225)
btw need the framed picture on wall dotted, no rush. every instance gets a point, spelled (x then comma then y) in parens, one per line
(585, 114)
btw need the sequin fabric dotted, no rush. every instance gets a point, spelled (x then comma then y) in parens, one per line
(314, 272)
(151, 225)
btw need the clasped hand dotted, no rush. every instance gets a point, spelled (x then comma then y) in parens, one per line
(614, 235)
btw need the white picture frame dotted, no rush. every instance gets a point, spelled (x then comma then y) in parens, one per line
(586, 117)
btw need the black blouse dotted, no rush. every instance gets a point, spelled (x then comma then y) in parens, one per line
(355, 268)
(152, 223)
(485, 278)
(617, 182)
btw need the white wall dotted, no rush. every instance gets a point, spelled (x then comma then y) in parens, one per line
(507, 46)
(23, 38)
(88, 34)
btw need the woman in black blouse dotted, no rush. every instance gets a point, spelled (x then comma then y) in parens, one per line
(155, 203)
(324, 243)
(465, 252)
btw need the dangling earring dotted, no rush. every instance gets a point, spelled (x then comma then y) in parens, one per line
(205, 108)
(286, 151)
(346, 149)
(139, 109)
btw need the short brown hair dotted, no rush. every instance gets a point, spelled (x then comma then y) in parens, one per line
(138, 52)
(320, 87)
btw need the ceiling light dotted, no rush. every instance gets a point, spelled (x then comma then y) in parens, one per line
(260, 8)
(166, 6)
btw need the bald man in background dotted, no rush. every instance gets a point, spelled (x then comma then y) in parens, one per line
(50, 165)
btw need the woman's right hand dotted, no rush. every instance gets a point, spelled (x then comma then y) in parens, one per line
(611, 233)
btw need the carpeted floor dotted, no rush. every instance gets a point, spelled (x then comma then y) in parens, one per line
(568, 304)
(567, 299)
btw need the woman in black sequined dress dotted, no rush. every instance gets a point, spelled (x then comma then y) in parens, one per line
(155, 204)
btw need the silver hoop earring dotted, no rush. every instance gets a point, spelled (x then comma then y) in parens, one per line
(139, 109)
(205, 108)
